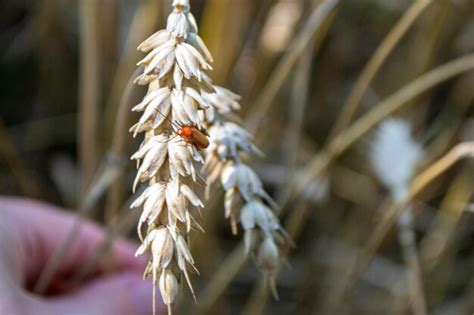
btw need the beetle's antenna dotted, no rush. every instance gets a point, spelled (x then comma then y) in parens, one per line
(167, 118)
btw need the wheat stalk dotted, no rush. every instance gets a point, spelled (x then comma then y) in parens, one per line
(174, 70)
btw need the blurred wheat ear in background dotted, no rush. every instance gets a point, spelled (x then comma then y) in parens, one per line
(349, 131)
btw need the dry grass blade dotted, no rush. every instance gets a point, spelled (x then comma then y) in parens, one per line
(376, 61)
(284, 67)
(460, 151)
(421, 181)
(382, 110)
(221, 279)
(361, 127)
(435, 243)
(439, 246)
(249, 44)
(299, 100)
(220, 32)
(390, 215)
(89, 78)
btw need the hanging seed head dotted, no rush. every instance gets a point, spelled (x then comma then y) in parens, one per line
(245, 199)
(168, 286)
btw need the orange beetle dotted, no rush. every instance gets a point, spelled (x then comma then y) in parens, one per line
(191, 134)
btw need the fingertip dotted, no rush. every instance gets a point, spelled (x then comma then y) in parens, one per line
(126, 293)
(123, 253)
(44, 229)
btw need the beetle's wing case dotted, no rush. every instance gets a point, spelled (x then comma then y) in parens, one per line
(200, 139)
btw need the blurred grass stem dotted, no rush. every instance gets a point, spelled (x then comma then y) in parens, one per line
(14, 162)
(298, 102)
(373, 66)
(221, 279)
(407, 239)
(111, 168)
(120, 225)
(439, 246)
(89, 84)
(143, 23)
(119, 145)
(284, 67)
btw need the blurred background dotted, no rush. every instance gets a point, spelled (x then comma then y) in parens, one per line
(64, 71)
